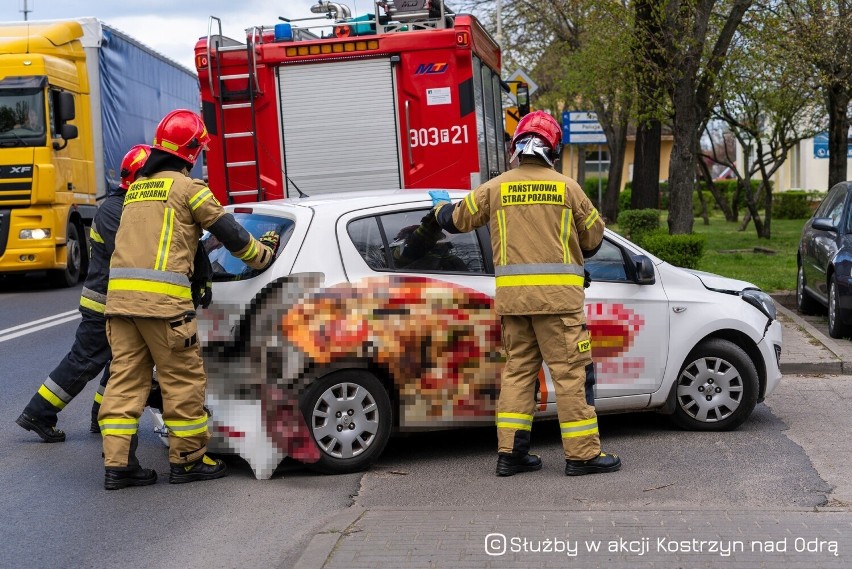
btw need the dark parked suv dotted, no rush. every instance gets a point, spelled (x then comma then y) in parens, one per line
(825, 261)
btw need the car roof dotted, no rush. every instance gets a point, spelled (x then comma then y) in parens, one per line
(361, 199)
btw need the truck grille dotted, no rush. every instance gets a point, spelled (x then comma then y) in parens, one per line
(15, 193)
(16, 184)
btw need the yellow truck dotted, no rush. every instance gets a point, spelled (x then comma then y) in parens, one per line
(75, 95)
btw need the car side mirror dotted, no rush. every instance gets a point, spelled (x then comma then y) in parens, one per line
(645, 274)
(823, 224)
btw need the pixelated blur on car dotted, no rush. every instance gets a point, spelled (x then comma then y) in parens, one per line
(350, 336)
(824, 261)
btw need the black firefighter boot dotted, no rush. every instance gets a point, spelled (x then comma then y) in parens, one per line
(48, 433)
(520, 459)
(602, 463)
(513, 463)
(118, 478)
(204, 469)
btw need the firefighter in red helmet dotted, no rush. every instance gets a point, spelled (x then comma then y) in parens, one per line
(542, 227)
(151, 319)
(90, 352)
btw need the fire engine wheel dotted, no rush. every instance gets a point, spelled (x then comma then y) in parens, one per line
(75, 250)
(716, 389)
(349, 415)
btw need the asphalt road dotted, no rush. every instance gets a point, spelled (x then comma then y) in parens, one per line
(56, 514)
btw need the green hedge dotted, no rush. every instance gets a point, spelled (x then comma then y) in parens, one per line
(792, 204)
(636, 223)
(590, 186)
(679, 250)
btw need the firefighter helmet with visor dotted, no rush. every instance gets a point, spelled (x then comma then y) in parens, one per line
(539, 134)
(183, 134)
(132, 163)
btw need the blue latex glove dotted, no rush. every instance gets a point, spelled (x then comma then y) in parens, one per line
(439, 196)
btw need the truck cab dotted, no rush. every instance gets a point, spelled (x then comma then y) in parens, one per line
(47, 178)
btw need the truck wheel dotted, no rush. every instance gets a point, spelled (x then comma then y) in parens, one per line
(75, 253)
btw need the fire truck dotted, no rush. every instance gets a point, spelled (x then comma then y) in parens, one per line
(408, 96)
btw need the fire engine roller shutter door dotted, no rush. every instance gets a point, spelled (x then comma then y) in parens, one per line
(339, 126)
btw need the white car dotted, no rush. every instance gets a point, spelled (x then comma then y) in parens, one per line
(352, 334)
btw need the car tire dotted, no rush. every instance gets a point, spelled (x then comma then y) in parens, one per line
(722, 371)
(804, 301)
(75, 252)
(836, 326)
(350, 419)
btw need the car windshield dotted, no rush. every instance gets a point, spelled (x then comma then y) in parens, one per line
(226, 267)
(22, 118)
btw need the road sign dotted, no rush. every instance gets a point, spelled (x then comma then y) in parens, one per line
(520, 75)
(581, 127)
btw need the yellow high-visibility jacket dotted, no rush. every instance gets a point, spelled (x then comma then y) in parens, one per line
(541, 223)
(155, 246)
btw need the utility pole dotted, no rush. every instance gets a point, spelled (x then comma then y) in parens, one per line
(26, 10)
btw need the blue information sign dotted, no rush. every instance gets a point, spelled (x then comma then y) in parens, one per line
(581, 127)
(821, 146)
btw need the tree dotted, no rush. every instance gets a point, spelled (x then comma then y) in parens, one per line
(769, 105)
(648, 60)
(823, 29)
(697, 37)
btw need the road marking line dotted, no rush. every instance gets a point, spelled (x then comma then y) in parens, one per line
(36, 325)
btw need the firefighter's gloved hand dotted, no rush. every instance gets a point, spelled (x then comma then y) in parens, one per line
(270, 239)
(439, 197)
(587, 279)
(206, 296)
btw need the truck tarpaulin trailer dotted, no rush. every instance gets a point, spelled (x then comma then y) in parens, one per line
(75, 95)
(406, 97)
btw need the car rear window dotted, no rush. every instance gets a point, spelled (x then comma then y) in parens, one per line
(226, 267)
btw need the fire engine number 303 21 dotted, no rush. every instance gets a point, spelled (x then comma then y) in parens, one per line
(433, 136)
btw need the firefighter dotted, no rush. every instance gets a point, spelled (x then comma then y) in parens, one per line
(542, 227)
(151, 318)
(90, 352)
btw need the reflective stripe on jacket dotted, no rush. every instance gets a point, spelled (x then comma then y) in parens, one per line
(541, 222)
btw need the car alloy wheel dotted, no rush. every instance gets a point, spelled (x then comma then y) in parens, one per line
(716, 388)
(349, 415)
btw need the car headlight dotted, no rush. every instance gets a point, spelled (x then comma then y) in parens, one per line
(34, 234)
(761, 301)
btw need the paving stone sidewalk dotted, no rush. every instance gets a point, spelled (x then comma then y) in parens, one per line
(442, 539)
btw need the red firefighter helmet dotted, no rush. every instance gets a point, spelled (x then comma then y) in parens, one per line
(183, 134)
(132, 163)
(542, 124)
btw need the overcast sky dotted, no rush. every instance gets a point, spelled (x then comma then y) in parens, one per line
(172, 26)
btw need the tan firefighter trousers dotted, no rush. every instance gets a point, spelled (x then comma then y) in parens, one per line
(563, 342)
(137, 345)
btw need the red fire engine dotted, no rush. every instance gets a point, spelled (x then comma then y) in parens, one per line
(406, 97)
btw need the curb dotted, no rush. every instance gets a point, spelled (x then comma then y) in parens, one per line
(836, 367)
(322, 544)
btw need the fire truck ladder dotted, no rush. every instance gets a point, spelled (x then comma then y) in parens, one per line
(229, 100)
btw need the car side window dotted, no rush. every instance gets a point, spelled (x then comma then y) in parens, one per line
(832, 205)
(226, 267)
(405, 242)
(607, 264)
